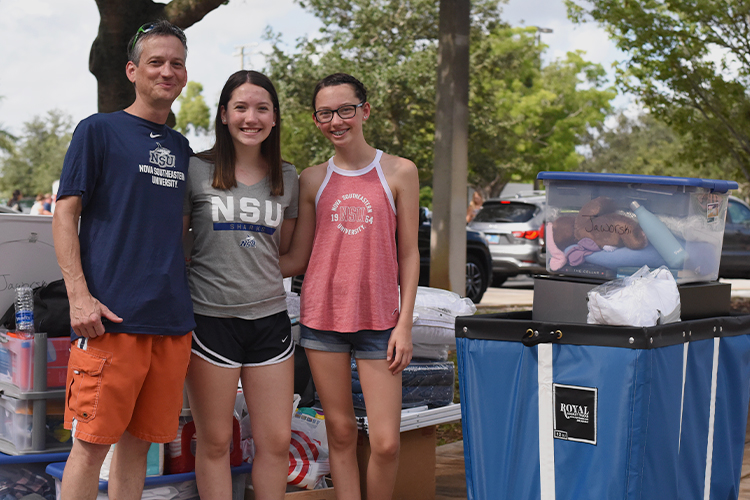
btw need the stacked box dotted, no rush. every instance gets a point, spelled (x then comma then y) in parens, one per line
(32, 381)
(17, 364)
(424, 383)
(17, 424)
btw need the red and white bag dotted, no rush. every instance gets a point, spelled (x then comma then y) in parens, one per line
(308, 450)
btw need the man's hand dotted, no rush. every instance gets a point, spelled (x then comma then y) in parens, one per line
(86, 316)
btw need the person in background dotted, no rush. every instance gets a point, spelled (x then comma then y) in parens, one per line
(352, 209)
(241, 202)
(474, 206)
(38, 207)
(15, 200)
(130, 306)
(41, 205)
(47, 204)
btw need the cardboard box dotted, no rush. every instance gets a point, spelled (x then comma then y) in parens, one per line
(415, 479)
(293, 493)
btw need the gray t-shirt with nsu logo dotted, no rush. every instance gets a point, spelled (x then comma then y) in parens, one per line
(234, 262)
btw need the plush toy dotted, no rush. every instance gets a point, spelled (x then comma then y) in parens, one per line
(599, 221)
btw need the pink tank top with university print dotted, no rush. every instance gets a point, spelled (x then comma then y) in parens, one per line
(351, 283)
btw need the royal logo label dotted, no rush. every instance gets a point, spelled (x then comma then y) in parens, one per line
(575, 413)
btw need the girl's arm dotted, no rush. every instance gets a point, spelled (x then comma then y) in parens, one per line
(287, 230)
(407, 206)
(294, 260)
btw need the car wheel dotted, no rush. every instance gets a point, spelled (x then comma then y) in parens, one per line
(476, 279)
(498, 280)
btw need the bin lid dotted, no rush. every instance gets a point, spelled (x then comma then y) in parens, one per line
(56, 470)
(33, 458)
(715, 185)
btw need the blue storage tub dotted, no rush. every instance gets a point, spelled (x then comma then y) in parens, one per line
(22, 475)
(167, 487)
(562, 411)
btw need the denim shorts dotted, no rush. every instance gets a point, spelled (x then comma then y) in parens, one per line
(364, 344)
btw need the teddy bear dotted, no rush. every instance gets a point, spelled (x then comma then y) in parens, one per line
(599, 221)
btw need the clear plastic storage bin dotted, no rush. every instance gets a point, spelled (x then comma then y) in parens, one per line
(17, 362)
(610, 225)
(24, 476)
(16, 424)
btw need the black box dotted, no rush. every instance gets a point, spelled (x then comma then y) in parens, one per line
(564, 299)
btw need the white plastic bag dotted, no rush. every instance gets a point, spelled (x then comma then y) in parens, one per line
(643, 299)
(444, 300)
(435, 312)
(308, 451)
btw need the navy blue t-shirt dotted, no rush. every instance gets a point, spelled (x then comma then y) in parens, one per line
(130, 174)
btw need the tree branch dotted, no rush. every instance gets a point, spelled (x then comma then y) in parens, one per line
(185, 13)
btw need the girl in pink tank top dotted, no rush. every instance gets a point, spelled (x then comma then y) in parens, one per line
(352, 210)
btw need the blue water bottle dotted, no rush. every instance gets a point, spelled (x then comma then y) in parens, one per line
(660, 237)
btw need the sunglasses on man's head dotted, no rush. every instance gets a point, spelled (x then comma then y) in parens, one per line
(150, 26)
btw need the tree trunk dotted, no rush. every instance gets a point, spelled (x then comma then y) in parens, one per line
(119, 20)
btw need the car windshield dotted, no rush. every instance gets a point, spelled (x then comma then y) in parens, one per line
(506, 212)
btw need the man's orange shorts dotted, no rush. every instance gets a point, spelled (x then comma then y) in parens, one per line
(121, 381)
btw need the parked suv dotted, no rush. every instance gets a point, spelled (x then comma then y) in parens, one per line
(514, 228)
(735, 250)
(478, 258)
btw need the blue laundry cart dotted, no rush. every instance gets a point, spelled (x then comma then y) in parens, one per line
(563, 411)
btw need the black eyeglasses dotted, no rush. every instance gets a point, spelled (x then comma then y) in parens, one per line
(150, 26)
(346, 111)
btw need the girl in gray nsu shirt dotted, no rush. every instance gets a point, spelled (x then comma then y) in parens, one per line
(242, 213)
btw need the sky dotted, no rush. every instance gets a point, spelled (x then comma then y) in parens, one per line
(46, 46)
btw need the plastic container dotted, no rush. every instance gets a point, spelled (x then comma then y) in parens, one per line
(17, 363)
(16, 424)
(169, 487)
(25, 312)
(589, 412)
(24, 475)
(606, 226)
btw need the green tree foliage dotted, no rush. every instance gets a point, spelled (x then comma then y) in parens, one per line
(6, 138)
(391, 45)
(642, 145)
(425, 197)
(525, 118)
(687, 61)
(194, 113)
(522, 118)
(36, 160)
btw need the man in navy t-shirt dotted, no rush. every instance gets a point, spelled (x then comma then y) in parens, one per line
(130, 307)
